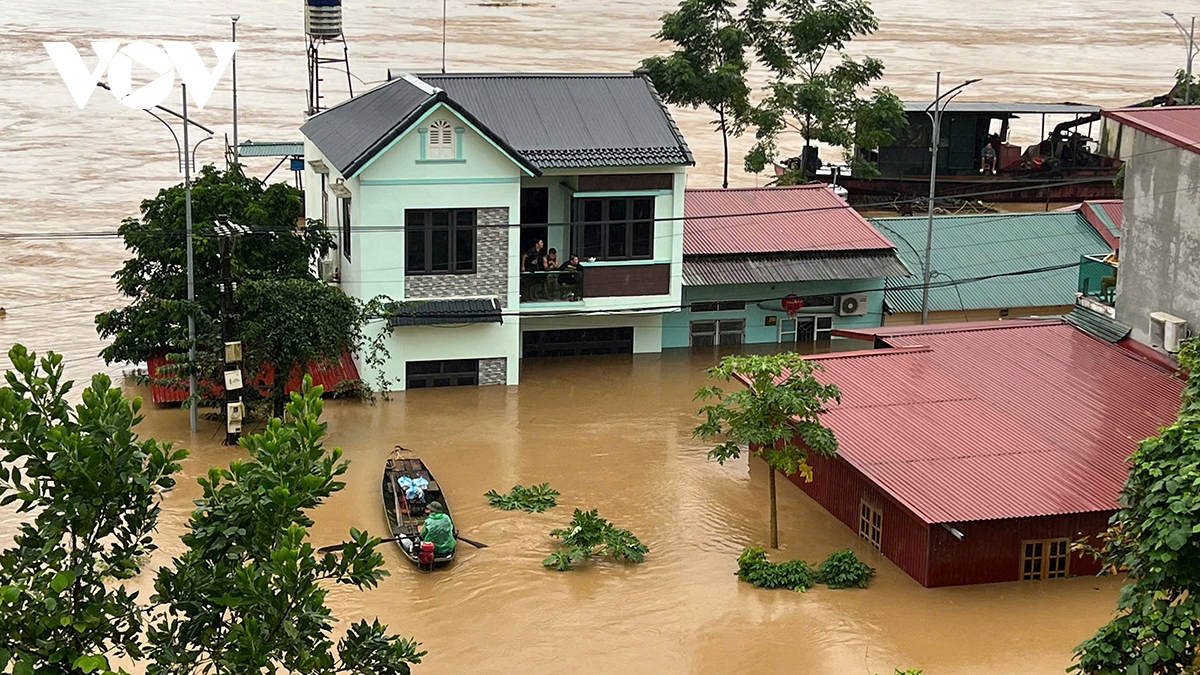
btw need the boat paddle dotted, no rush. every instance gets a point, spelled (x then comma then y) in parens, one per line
(334, 547)
(476, 544)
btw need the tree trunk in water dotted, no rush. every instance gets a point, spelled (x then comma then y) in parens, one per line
(774, 515)
(280, 398)
(725, 144)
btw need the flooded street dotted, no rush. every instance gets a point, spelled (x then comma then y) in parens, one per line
(613, 434)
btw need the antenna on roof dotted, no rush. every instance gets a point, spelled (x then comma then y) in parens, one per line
(443, 37)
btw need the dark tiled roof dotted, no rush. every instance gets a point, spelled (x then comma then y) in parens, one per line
(542, 121)
(713, 271)
(430, 312)
(1097, 325)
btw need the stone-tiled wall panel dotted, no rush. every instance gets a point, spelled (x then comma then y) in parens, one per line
(493, 371)
(491, 266)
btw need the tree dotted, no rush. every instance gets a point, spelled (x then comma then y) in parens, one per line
(248, 594)
(792, 38)
(291, 323)
(1155, 540)
(93, 486)
(155, 278)
(709, 68)
(776, 415)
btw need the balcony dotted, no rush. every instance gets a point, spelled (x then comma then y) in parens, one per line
(552, 286)
(624, 279)
(1098, 282)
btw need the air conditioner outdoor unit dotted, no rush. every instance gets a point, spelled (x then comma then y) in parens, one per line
(1167, 331)
(328, 270)
(852, 305)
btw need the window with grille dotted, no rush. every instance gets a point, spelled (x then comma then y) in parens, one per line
(712, 333)
(439, 241)
(441, 141)
(1045, 559)
(425, 374)
(619, 228)
(870, 524)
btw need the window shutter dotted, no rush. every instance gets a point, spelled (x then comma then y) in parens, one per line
(441, 140)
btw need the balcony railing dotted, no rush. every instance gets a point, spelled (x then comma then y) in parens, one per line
(1098, 278)
(552, 286)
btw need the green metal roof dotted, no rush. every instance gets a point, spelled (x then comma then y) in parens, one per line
(271, 149)
(990, 244)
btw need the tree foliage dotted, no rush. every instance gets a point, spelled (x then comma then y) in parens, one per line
(708, 68)
(155, 277)
(91, 485)
(588, 535)
(1155, 540)
(777, 415)
(755, 569)
(248, 593)
(795, 40)
(533, 499)
(843, 569)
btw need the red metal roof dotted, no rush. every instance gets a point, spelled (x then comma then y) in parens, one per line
(329, 378)
(1105, 216)
(1178, 124)
(995, 420)
(774, 220)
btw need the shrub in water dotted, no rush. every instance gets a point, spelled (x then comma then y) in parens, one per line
(534, 499)
(589, 535)
(842, 569)
(754, 568)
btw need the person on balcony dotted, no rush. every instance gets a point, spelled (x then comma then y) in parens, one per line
(531, 260)
(569, 278)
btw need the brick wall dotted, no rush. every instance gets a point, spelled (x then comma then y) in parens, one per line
(491, 266)
(493, 371)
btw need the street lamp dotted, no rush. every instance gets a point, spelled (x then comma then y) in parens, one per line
(1189, 38)
(233, 26)
(935, 119)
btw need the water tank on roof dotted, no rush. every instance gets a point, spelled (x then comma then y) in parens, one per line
(323, 18)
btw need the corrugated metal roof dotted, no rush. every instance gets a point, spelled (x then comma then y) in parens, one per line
(328, 377)
(1006, 107)
(988, 244)
(703, 271)
(569, 121)
(542, 121)
(1179, 125)
(1097, 325)
(1105, 215)
(271, 149)
(1000, 420)
(430, 312)
(774, 220)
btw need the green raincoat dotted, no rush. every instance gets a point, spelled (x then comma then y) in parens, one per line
(439, 530)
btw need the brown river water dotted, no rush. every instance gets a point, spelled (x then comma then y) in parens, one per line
(609, 433)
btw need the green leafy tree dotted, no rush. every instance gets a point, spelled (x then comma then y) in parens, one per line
(533, 499)
(776, 415)
(91, 486)
(290, 323)
(1155, 540)
(709, 67)
(248, 593)
(795, 39)
(155, 277)
(589, 535)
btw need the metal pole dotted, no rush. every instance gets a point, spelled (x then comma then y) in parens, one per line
(443, 37)
(191, 274)
(936, 121)
(1187, 89)
(234, 20)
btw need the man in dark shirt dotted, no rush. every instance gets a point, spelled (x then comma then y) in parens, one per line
(531, 260)
(568, 282)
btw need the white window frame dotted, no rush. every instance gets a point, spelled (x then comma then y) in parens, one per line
(440, 140)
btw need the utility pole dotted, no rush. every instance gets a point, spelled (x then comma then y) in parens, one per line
(191, 275)
(232, 355)
(233, 23)
(935, 121)
(1189, 38)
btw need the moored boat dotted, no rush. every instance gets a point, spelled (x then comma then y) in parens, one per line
(408, 487)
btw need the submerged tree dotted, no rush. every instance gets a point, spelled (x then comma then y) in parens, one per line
(776, 415)
(1155, 540)
(248, 593)
(92, 487)
(709, 68)
(822, 102)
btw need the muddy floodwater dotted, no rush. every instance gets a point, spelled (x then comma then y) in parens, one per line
(614, 433)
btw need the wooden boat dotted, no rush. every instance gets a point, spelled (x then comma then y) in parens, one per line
(402, 520)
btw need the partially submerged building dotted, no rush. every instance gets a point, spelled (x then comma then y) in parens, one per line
(747, 249)
(975, 453)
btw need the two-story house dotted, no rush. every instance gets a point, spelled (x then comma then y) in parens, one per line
(438, 184)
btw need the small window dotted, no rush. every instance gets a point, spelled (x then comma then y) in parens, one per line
(346, 228)
(439, 241)
(1045, 559)
(712, 333)
(425, 374)
(870, 524)
(441, 141)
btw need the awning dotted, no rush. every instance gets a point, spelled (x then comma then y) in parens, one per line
(431, 312)
(715, 271)
(271, 149)
(1097, 325)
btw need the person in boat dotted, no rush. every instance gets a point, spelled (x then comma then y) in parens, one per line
(988, 163)
(438, 529)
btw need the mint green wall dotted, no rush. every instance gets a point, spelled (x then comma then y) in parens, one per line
(676, 325)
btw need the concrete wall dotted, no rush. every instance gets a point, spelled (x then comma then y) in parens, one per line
(676, 326)
(1160, 244)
